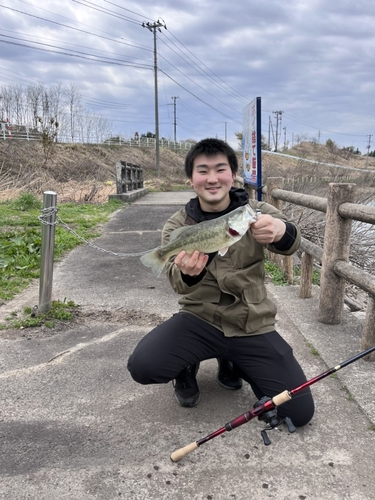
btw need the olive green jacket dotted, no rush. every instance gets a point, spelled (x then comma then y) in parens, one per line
(232, 294)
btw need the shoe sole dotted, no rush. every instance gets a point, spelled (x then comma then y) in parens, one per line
(187, 404)
(230, 388)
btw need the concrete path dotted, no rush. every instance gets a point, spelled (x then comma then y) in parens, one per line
(74, 425)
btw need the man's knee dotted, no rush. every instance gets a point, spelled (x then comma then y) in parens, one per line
(146, 368)
(139, 369)
(300, 410)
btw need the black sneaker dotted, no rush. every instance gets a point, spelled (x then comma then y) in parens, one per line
(227, 376)
(186, 389)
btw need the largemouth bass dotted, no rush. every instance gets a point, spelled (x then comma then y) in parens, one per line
(215, 235)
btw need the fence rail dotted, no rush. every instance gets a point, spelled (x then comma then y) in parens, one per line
(336, 269)
(24, 133)
(128, 177)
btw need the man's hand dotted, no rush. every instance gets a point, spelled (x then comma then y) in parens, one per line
(267, 229)
(192, 264)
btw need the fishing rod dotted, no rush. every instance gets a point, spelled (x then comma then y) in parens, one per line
(266, 406)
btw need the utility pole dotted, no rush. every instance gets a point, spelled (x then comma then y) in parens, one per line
(270, 128)
(153, 27)
(278, 119)
(368, 148)
(269, 133)
(284, 128)
(174, 114)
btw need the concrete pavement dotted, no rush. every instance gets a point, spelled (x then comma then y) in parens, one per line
(74, 425)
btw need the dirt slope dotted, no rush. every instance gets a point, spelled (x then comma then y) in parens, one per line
(87, 172)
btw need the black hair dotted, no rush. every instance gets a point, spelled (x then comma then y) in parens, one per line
(210, 147)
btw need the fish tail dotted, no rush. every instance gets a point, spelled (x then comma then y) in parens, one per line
(154, 261)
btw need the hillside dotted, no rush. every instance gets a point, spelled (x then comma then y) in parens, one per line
(87, 172)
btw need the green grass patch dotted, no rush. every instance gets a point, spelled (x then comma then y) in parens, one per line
(21, 237)
(60, 311)
(276, 274)
(314, 351)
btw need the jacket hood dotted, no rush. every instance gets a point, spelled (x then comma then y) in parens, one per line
(238, 198)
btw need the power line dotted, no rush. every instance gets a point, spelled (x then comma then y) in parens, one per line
(200, 86)
(198, 98)
(128, 10)
(79, 54)
(107, 11)
(245, 99)
(71, 44)
(196, 68)
(92, 58)
(76, 29)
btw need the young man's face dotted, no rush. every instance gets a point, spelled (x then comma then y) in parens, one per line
(212, 179)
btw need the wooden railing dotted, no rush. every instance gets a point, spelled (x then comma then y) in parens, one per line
(336, 269)
(128, 177)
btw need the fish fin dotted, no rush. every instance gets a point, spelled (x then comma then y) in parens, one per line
(152, 260)
(223, 251)
(177, 232)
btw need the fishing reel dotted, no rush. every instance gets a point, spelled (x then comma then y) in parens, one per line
(272, 421)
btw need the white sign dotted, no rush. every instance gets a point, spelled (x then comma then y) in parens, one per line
(251, 143)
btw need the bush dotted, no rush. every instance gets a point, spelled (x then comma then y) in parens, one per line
(27, 201)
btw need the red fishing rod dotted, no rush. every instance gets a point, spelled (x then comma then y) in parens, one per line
(266, 407)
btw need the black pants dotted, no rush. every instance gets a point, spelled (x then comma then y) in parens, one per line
(265, 361)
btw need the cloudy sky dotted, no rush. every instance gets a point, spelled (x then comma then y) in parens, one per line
(312, 60)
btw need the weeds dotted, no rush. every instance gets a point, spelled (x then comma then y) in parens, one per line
(314, 351)
(276, 274)
(60, 311)
(26, 202)
(20, 237)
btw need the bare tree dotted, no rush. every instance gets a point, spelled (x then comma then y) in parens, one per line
(34, 95)
(74, 99)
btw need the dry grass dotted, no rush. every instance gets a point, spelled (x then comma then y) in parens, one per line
(82, 173)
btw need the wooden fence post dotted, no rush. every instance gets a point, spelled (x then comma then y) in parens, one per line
(274, 183)
(336, 247)
(305, 285)
(285, 261)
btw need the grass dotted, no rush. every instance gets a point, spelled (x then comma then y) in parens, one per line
(20, 237)
(276, 274)
(60, 311)
(314, 351)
